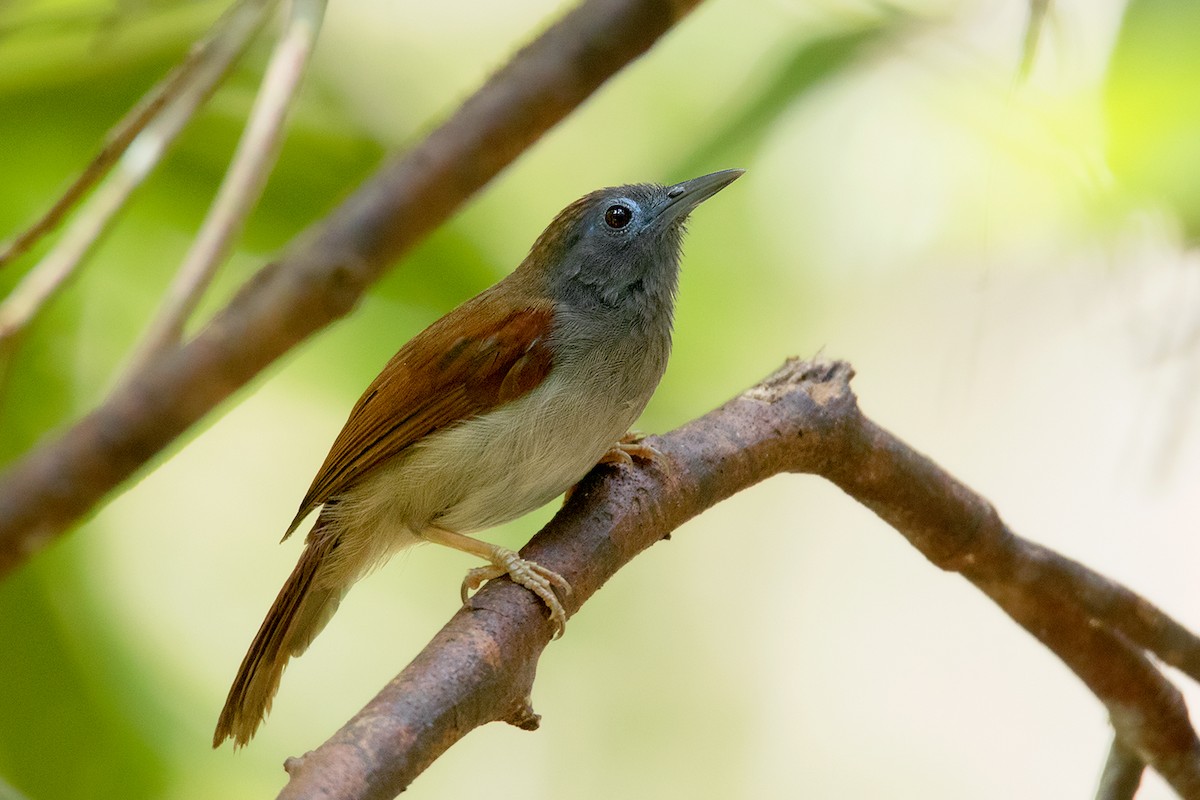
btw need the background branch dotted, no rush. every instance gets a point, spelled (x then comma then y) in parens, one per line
(244, 181)
(232, 32)
(150, 135)
(324, 273)
(804, 418)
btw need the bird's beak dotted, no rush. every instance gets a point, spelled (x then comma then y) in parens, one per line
(682, 198)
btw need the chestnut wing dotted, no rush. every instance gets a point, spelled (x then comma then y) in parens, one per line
(474, 359)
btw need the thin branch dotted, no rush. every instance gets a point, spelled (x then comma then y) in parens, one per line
(237, 24)
(804, 418)
(325, 271)
(1139, 620)
(243, 183)
(143, 154)
(1047, 594)
(1033, 34)
(1122, 773)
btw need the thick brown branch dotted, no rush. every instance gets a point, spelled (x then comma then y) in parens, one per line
(326, 271)
(480, 667)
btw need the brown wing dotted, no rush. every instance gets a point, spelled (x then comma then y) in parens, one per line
(481, 355)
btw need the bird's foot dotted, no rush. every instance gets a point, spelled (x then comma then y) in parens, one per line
(533, 576)
(631, 448)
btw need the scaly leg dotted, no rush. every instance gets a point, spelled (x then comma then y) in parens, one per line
(533, 576)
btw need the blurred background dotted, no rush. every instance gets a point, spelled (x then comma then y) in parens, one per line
(1006, 261)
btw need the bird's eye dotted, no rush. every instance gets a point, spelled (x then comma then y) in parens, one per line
(617, 217)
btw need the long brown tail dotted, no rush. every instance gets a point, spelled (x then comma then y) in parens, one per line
(298, 614)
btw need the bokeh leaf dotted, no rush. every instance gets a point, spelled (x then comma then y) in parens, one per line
(64, 737)
(1152, 102)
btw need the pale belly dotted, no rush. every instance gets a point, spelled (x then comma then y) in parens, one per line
(489, 470)
(482, 472)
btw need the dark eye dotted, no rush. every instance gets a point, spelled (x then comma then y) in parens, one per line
(617, 217)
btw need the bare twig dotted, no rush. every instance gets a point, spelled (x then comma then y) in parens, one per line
(243, 183)
(144, 152)
(1122, 773)
(237, 24)
(804, 418)
(326, 270)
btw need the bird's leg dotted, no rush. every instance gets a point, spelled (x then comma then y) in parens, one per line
(630, 448)
(533, 576)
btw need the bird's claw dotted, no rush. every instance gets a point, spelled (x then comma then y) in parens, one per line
(630, 448)
(533, 576)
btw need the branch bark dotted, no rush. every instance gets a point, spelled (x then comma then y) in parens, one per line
(326, 270)
(1122, 773)
(805, 419)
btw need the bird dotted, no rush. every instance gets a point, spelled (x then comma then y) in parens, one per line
(495, 409)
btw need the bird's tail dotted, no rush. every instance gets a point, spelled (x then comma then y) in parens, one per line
(304, 605)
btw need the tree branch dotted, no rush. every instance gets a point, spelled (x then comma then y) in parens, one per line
(1122, 773)
(326, 270)
(804, 418)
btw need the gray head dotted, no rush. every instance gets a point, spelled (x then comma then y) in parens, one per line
(618, 248)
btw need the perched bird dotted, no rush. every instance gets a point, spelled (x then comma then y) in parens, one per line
(492, 411)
